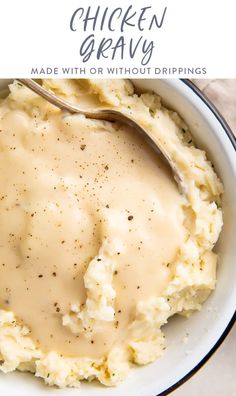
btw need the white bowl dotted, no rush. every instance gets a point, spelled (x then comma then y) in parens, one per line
(207, 328)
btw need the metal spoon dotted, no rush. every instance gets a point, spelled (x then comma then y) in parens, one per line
(107, 115)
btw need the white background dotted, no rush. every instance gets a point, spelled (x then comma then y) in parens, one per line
(196, 33)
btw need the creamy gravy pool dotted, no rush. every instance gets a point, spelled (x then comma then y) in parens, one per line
(65, 186)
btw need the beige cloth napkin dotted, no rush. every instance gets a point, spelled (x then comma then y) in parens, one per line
(223, 94)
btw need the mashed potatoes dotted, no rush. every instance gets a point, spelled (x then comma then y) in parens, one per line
(98, 246)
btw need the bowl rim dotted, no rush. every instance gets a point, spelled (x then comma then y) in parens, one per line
(228, 131)
(232, 321)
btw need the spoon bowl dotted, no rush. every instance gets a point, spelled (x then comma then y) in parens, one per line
(108, 115)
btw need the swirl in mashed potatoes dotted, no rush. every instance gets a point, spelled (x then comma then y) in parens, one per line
(98, 246)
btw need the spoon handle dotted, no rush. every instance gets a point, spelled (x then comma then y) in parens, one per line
(50, 96)
(100, 114)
